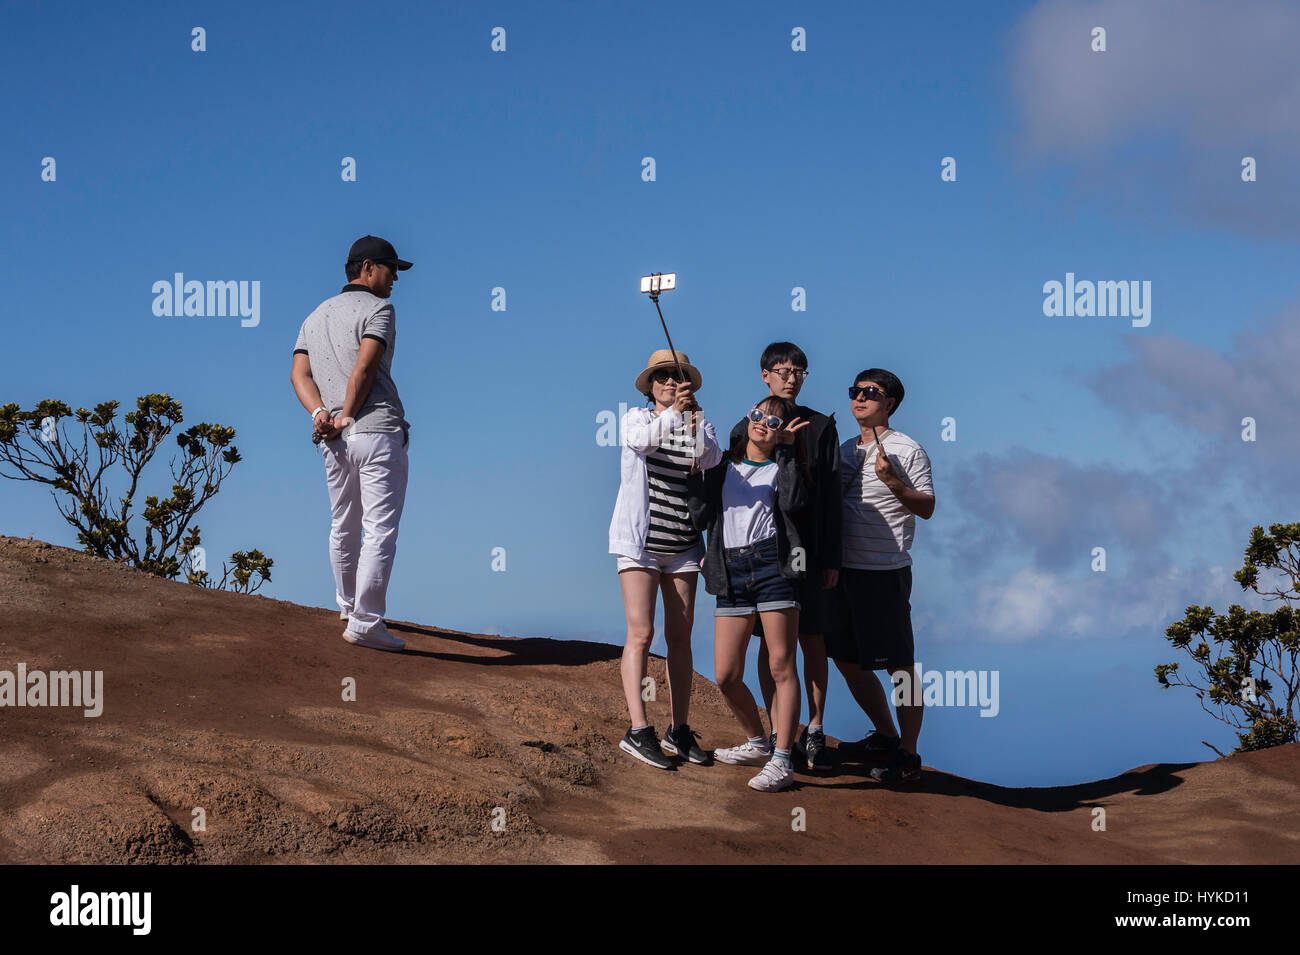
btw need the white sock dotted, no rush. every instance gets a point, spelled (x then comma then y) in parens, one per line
(759, 741)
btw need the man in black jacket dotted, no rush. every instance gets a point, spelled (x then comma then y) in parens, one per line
(784, 368)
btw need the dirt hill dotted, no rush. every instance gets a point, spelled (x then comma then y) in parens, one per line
(234, 705)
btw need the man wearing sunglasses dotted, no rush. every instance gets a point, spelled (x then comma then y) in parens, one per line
(887, 485)
(784, 369)
(342, 375)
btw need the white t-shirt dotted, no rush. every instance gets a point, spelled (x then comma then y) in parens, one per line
(878, 529)
(748, 499)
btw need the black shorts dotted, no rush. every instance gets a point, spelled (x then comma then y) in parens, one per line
(871, 619)
(813, 603)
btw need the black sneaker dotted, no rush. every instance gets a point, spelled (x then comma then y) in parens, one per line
(875, 746)
(813, 748)
(902, 768)
(644, 745)
(680, 741)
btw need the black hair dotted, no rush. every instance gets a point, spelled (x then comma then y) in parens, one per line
(352, 269)
(785, 410)
(778, 352)
(885, 379)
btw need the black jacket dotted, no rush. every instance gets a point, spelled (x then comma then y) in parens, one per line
(704, 498)
(820, 523)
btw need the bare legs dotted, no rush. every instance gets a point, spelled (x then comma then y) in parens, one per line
(730, 639)
(640, 588)
(679, 619)
(871, 696)
(815, 674)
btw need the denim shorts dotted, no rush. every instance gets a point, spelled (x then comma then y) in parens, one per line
(754, 580)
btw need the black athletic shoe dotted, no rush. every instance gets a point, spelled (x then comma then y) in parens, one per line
(872, 747)
(680, 741)
(813, 747)
(644, 745)
(875, 746)
(902, 768)
(878, 744)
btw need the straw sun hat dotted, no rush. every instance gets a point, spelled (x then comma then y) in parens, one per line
(663, 359)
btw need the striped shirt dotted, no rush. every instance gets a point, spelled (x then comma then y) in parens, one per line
(878, 529)
(670, 530)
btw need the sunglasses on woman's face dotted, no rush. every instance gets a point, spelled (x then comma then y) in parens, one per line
(869, 393)
(663, 377)
(769, 421)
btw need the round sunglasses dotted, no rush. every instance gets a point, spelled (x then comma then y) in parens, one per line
(769, 421)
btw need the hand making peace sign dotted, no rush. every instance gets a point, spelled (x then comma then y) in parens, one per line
(787, 434)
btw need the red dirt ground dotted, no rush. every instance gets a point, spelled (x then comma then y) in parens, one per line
(234, 704)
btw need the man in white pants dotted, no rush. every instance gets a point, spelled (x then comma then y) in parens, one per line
(342, 374)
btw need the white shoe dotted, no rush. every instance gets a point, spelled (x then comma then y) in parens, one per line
(344, 615)
(377, 639)
(746, 754)
(775, 776)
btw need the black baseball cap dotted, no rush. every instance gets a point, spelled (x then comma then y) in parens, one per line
(376, 250)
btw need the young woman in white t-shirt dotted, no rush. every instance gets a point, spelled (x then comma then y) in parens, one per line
(752, 562)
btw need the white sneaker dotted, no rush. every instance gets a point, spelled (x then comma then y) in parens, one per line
(344, 615)
(775, 776)
(746, 754)
(377, 639)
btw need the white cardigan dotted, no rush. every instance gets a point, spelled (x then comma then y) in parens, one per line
(643, 431)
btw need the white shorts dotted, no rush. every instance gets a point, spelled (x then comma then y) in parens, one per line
(687, 562)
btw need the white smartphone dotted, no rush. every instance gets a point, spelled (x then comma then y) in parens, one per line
(659, 282)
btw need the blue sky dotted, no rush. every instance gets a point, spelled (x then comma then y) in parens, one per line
(774, 169)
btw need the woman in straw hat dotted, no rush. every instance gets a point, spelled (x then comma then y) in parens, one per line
(657, 546)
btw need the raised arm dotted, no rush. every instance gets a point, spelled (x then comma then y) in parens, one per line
(644, 436)
(918, 499)
(710, 453)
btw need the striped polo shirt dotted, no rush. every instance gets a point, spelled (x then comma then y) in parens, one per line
(670, 530)
(878, 529)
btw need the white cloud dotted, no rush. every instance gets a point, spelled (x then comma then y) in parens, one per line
(1033, 604)
(1185, 89)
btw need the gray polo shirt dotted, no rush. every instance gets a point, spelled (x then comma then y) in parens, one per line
(331, 339)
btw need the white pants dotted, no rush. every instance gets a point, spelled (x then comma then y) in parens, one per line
(366, 474)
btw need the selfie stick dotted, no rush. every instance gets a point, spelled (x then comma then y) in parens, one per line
(654, 286)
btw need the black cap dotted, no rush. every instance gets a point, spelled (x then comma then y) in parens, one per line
(376, 250)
